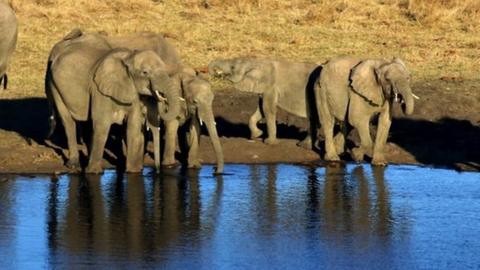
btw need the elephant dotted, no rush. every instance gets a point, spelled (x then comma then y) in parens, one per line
(353, 90)
(8, 38)
(85, 76)
(196, 109)
(278, 82)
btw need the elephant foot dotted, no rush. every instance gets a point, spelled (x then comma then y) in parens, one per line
(169, 164)
(271, 141)
(73, 164)
(255, 133)
(331, 157)
(339, 142)
(133, 169)
(357, 154)
(94, 169)
(306, 143)
(194, 164)
(379, 160)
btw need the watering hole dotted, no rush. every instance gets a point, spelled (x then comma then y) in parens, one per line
(258, 216)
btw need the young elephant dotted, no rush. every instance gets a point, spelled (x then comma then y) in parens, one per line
(86, 77)
(361, 88)
(279, 83)
(8, 38)
(196, 110)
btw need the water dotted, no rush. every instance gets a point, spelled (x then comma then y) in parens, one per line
(258, 217)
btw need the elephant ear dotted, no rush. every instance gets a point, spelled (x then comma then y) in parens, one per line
(253, 79)
(381, 73)
(364, 82)
(112, 77)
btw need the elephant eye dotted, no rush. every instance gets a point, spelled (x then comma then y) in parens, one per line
(144, 72)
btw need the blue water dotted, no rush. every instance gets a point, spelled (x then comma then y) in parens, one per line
(256, 217)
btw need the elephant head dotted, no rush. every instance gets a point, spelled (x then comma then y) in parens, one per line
(378, 81)
(247, 74)
(123, 74)
(199, 97)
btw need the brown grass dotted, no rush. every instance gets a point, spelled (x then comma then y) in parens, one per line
(436, 38)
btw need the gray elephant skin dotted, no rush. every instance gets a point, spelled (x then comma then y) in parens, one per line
(280, 84)
(354, 90)
(8, 38)
(196, 109)
(85, 76)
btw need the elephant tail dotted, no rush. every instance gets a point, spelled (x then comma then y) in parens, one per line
(52, 122)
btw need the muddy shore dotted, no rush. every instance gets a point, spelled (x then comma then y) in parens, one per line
(444, 131)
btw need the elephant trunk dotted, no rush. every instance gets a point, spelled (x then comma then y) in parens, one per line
(206, 114)
(409, 104)
(407, 96)
(164, 84)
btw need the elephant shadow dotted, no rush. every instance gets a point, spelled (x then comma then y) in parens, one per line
(229, 129)
(447, 142)
(28, 117)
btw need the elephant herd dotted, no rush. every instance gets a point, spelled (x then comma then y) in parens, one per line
(139, 80)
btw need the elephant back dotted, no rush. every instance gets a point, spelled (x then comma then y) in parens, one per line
(71, 63)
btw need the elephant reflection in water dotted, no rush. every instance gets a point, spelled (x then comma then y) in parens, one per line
(351, 205)
(264, 196)
(129, 216)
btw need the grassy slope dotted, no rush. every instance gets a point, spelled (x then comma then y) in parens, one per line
(436, 38)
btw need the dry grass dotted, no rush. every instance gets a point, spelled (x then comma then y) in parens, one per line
(436, 37)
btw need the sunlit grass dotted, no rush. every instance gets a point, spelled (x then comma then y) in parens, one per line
(435, 37)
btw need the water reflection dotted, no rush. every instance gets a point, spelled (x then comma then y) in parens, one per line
(356, 204)
(265, 216)
(129, 215)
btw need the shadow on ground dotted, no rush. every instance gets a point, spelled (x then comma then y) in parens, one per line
(28, 117)
(447, 142)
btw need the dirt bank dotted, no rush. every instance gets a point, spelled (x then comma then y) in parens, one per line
(444, 131)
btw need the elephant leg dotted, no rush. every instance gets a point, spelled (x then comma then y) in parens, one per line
(384, 123)
(306, 143)
(363, 126)
(330, 149)
(171, 128)
(339, 141)
(135, 141)
(328, 123)
(270, 111)
(69, 124)
(255, 132)
(99, 138)
(193, 143)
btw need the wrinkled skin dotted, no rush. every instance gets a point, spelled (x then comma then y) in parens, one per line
(363, 89)
(85, 76)
(8, 38)
(196, 110)
(279, 84)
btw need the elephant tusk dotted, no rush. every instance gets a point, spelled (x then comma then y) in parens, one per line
(159, 97)
(148, 128)
(415, 96)
(181, 99)
(396, 99)
(201, 121)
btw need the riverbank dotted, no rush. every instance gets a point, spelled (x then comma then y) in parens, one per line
(444, 131)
